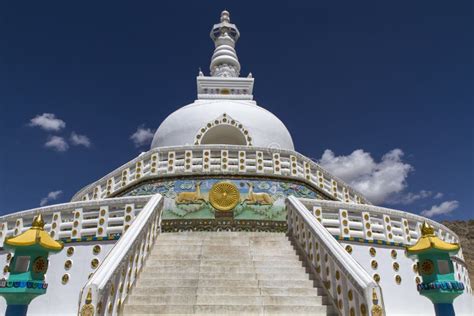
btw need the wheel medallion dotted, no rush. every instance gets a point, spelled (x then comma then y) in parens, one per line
(224, 196)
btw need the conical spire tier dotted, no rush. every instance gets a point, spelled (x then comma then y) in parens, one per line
(224, 62)
(224, 81)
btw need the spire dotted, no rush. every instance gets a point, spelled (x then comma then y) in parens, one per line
(224, 62)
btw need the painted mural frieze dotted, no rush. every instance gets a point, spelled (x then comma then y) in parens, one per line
(255, 199)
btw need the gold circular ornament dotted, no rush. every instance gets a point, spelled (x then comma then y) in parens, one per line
(398, 279)
(376, 277)
(94, 263)
(374, 264)
(96, 250)
(87, 310)
(427, 267)
(396, 266)
(40, 265)
(349, 249)
(377, 310)
(68, 264)
(224, 196)
(65, 278)
(372, 251)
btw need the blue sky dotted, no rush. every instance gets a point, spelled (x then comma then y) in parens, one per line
(381, 93)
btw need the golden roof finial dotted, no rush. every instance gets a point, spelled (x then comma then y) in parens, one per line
(89, 296)
(427, 230)
(38, 222)
(374, 295)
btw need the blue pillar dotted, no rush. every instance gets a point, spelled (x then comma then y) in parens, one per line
(16, 310)
(444, 309)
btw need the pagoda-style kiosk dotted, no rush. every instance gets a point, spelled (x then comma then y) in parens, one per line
(28, 267)
(436, 269)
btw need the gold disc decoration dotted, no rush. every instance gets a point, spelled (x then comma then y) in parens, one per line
(427, 267)
(224, 196)
(40, 265)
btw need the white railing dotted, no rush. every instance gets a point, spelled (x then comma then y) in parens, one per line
(109, 286)
(75, 220)
(220, 160)
(372, 223)
(351, 288)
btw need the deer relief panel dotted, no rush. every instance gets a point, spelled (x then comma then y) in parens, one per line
(256, 199)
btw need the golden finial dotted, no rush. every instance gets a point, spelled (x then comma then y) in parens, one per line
(88, 308)
(89, 296)
(374, 295)
(38, 222)
(426, 229)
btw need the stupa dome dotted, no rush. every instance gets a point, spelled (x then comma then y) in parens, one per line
(232, 122)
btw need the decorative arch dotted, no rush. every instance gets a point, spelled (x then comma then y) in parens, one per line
(223, 130)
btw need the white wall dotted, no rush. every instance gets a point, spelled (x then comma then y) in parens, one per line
(63, 299)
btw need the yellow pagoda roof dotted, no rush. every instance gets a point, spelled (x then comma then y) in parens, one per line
(36, 235)
(429, 240)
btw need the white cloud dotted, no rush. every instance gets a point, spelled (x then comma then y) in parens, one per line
(48, 122)
(444, 208)
(142, 136)
(57, 143)
(376, 180)
(438, 195)
(410, 197)
(80, 140)
(50, 197)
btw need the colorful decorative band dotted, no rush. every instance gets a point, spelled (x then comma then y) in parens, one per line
(370, 241)
(91, 238)
(228, 224)
(441, 285)
(23, 284)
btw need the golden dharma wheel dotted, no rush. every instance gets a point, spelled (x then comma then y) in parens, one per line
(224, 196)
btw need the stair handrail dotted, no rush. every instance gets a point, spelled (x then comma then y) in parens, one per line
(108, 287)
(350, 287)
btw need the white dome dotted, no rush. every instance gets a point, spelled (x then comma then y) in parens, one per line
(234, 122)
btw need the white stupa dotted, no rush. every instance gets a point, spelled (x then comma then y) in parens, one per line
(222, 216)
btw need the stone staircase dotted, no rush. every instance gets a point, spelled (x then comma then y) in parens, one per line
(225, 273)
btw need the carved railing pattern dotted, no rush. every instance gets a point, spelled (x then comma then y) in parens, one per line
(75, 220)
(108, 287)
(349, 286)
(371, 223)
(220, 160)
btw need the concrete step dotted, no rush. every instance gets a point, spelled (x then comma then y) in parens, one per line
(151, 262)
(145, 309)
(228, 309)
(295, 310)
(162, 299)
(202, 276)
(229, 300)
(228, 283)
(302, 291)
(146, 282)
(160, 290)
(285, 284)
(223, 291)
